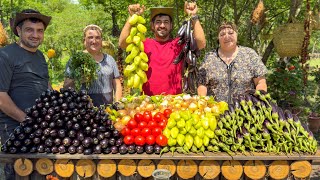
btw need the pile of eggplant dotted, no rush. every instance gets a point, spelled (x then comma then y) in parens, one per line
(255, 123)
(64, 122)
(188, 55)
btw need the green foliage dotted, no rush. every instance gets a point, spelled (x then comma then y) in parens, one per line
(285, 83)
(56, 66)
(83, 69)
(313, 88)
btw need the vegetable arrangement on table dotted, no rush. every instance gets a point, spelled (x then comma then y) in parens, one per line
(67, 122)
(256, 124)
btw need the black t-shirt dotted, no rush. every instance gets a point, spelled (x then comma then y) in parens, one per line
(23, 75)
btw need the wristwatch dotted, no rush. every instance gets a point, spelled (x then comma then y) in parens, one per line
(194, 17)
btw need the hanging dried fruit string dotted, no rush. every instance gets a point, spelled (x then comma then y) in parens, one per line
(258, 15)
(3, 36)
(304, 53)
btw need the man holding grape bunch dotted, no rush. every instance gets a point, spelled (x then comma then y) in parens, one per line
(164, 77)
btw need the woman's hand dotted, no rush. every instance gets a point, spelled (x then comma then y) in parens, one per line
(136, 9)
(190, 8)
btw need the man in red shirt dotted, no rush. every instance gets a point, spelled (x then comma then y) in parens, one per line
(164, 77)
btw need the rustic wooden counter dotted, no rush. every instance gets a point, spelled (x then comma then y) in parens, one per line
(175, 156)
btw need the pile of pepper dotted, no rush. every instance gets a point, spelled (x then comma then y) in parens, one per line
(189, 131)
(255, 123)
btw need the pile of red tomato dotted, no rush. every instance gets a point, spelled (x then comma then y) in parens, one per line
(146, 129)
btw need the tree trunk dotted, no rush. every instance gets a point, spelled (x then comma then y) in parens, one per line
(115, 27)
(267, 52)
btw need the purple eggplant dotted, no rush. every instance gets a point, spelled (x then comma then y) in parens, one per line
(179, 58)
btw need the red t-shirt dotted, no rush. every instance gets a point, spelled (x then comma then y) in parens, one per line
(164, 77)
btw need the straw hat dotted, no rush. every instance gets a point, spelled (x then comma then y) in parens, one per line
(161, 10)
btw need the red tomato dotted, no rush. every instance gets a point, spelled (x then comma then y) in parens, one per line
(146, 132)
(152, 124)
(161, 140)
(132, 123)
(135, 132)
(142, 124)
(125, 131)
(156, 131)
(164, 119)
(292, 67)
(150, 140)
(158, 116)
(162, 124)
(167, 113)
(139, 140)
(129, 139)
(138, 117)
(147, 116)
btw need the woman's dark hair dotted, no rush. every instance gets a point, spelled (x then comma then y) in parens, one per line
(228, 24)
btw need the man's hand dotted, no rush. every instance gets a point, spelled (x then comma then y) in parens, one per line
(190, 8)
(8, 107)
(136, 9)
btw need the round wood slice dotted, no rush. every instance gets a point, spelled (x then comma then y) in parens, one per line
(127, 167)
(44, 166)
(279, 169)
(168, 165)
(86, 168)
(232, 169)
(209, 169)
(106, 168)
(64, 167)
(255, 169)
(187, 169)
(146, 167)
(23, 167)
(301, 169)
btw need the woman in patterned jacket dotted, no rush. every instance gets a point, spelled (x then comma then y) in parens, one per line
(230, 69)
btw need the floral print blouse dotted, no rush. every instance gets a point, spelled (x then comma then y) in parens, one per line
(224, 81)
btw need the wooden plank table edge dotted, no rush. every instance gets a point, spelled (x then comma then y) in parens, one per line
(175, 156)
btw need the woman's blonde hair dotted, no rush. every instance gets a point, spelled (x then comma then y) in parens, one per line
(91, 27)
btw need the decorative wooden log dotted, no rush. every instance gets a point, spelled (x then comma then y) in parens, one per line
(44, 166)
(168, 165)
(301, 169)
(146, 167)
(279, 169)
(64, 167)
(23, 167)
(232, 169)
(106, 168)
(86, 168)
(255, 169)
(187, 169)
(127, 167)
(209, 169)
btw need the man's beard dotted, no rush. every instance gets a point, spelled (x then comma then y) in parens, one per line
(30, 45)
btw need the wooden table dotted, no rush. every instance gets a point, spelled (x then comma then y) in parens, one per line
(266, 158)
(175, 156)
